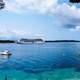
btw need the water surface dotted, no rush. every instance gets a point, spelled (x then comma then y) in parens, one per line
(58, 61)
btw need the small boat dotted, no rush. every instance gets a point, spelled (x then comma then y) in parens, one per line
(6, 52)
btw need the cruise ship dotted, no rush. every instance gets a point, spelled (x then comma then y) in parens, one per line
(24, 41)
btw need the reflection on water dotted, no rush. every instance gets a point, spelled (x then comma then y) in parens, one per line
(5, 56)
(35, 61)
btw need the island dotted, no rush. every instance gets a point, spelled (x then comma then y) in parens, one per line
(62, 41)
(7, 41)
(26, 41)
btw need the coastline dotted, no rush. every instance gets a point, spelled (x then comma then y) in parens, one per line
(46, 41)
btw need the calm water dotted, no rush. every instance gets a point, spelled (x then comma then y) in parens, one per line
(49, 61)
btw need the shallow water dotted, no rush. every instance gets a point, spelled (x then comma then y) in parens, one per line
(49, 61)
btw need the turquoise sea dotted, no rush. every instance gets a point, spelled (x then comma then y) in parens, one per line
(48, 61)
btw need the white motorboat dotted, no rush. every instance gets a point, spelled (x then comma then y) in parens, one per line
(6, 52)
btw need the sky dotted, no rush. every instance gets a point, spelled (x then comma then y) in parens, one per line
(47, 19)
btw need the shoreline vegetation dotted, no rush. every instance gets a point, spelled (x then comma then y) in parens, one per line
(46, 41)
(7, 41)
(62, 41)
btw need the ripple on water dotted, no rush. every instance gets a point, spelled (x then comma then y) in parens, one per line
(58, 74)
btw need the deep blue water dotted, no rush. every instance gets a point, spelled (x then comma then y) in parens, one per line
(41, 58)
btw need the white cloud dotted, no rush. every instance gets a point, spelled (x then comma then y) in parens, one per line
(47, 6)
(38, 5)
(15, 34)
(77, 28)
(67, 15)
(63, 12)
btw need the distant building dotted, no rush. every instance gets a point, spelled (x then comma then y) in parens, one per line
(74, 1)
(24, 41)
(2, 4)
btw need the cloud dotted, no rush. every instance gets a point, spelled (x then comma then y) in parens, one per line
(67, 15)
(15, 34)
(24, 5)
(77, 28)
(72, 23)
(47, 6)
